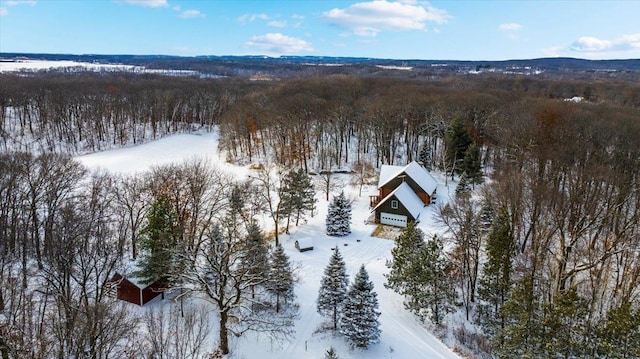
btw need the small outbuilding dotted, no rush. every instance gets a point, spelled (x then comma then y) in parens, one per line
(304, 244)
(131, 290)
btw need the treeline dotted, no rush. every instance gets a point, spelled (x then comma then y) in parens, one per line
(323, 123)
(327, 120)
(87, 112)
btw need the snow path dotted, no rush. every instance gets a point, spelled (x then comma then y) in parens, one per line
(402, 335)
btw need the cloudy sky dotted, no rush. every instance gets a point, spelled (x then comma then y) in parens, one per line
(406, 29)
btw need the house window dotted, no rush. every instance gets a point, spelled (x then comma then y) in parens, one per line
(394, 204)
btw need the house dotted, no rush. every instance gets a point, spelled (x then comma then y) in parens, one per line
(132, 291)
(304, 244)
(403, 191)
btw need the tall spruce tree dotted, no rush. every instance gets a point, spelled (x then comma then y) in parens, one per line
(457, 140)
(339, 216)
(280, 282)
(359, 321)
(564, 324)
(522, 332)
(159, 241)
(421, 272)
(407, 243)
(425, 156)
(297, 196)
(495, 279)
(256, 257)
(463, 189)
(471, 164)
(333, 288)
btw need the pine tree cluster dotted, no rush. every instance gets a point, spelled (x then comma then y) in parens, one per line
(354, 310)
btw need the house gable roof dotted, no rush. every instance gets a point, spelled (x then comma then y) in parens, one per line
(407, 197)
(418, 173)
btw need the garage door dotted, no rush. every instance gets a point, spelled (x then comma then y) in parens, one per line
(393, 219)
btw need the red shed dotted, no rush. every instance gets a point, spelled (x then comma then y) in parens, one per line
(130, 290)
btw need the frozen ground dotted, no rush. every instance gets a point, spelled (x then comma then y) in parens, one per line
(402, 335)
(37, 65)
(66, 65)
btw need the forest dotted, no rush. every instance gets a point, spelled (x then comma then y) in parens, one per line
(544, 249)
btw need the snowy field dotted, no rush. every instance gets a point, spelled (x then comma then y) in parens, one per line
(402, 335)
(37, 65)
(44, 65)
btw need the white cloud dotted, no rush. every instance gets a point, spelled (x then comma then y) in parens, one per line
(275, 23)
(588, 44)
(20, 2)
(252, 17)
(4, 11)
(370, 18)
(625, 46)
(191, 14)
(512, 26)
(146, 3)
(297, 17)
(279, 44)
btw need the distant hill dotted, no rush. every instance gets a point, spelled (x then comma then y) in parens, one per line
(296, 66)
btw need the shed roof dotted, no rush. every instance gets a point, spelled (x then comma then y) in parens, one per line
(407, 197)
(128, 273)
(305, 242)
(418, 173)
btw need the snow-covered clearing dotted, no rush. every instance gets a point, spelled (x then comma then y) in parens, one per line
(37, 65)
(11, 66)
(402, 335)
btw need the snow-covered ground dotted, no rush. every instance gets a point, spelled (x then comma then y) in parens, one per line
(37, 65)
(11, 66)
(402, 335)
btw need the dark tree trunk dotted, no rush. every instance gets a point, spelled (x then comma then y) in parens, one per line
(224, 335)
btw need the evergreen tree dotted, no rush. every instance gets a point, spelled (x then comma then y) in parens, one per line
(333, 288)
(339, 216)
(425, 156)
(521, 336)
(619, 335)
(256, 258)
(297, 196)
(471, 165)
(457, 140)
(331, 354)
(487, 216)
(159, 240)
(305, 200)
(359, 321)
(495, 279)
(422, 274)
(463, 189)
(408, 242)
(280, 277)
(564, 325)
